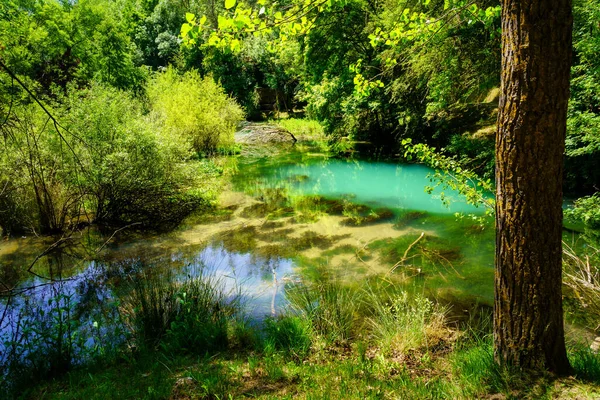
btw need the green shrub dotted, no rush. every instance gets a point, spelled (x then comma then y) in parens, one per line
(107, 162)
(38, 169)
(194, 110)
(587, 210)
(130, 172)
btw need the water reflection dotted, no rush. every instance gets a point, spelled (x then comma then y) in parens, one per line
(71, 317)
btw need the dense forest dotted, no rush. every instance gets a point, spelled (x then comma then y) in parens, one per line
(122, 115)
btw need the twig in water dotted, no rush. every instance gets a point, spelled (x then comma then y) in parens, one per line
(404, 257)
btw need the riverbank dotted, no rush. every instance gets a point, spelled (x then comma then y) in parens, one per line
(403, 349)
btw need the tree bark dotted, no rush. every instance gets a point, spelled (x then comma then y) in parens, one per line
(530, 140)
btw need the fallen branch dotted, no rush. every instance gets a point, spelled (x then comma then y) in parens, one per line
(404, 257)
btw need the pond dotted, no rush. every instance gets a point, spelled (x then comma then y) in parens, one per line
(295, 216)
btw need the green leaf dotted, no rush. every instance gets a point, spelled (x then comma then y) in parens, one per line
(203, 20)
(185, 28)
(229, 4)
(189, 17)
(235, 45)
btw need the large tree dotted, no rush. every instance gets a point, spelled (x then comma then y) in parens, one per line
(530, 141)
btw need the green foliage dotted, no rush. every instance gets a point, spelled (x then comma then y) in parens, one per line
(55, 43)
(289, 334)
(38, 164)
(209, 118)
(450, 174)
(583, 141)
(131, 172)
(253, 67)
(107, 162)
(587, 210)
(586, 363)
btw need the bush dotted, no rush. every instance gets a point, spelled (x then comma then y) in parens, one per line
(38, 171)
(194, 110)
(132, 174)
(587, 210)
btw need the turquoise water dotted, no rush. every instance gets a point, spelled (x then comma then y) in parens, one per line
(378, 184)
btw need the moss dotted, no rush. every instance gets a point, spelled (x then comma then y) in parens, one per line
(241, 240)
(298, 178)
(368, 216)
(312, 239)
(406, 217)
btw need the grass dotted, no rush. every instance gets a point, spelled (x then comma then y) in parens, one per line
(367, 340)
(189, 314)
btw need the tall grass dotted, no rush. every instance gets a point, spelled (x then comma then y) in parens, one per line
(586, 363)
(290, 334)
(191, 313)
(401, 322)
(582, 276)
(330, 307)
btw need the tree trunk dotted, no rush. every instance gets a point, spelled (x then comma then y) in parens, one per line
(530, 140)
